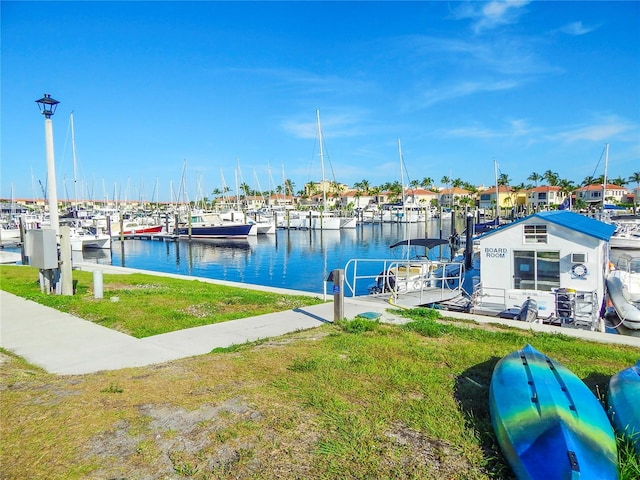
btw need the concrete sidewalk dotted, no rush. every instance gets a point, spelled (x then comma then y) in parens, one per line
(64, 344)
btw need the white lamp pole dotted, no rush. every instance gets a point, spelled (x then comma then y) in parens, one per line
(48, 107)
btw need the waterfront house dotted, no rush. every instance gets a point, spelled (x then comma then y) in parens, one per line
(354, 199)
(544, 197)
(280, 200)
(505, 196)
(450, 197)
(592, 195)
(557, 258)
(421, 197)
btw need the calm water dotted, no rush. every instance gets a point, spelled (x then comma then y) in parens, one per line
(295, 259)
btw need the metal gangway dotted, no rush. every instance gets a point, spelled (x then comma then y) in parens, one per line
(404, 283)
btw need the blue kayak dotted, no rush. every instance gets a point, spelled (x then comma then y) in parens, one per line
(549, 425)
(623, 400)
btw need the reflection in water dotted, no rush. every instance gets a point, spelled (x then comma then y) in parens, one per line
(94, 255)
(295, 259)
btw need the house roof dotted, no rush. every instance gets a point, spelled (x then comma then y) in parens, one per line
(454, 191)
(598, 187)
(545, 188)
(571, 220)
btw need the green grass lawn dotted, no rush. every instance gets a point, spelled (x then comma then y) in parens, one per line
(351, 400)
(149, 305)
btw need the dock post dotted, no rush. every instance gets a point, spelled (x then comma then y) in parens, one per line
(337, 277)
(98, 284)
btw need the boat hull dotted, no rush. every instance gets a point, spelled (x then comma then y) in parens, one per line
(623, 400)
(628, 243)
(548, 423)
(89, 241)
(216, 231)
(627, 311)
(143, 230)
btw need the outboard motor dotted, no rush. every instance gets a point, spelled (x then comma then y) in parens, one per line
(385, 282)
(528, 311)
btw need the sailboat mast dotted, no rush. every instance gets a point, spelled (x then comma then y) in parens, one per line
(495, 173)
(324, 189)
(73, 153)
(604, 178)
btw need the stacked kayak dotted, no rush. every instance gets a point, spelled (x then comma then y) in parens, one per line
(548, 423)
(623, 401)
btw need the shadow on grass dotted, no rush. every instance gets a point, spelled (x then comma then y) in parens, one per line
(598, 384)
(472, 394)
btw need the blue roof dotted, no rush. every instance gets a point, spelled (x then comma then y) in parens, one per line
(571, 220)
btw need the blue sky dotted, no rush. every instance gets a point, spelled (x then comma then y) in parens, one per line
(230, 90)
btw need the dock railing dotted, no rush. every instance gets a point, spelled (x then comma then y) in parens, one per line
(488, 299)
(423, 280)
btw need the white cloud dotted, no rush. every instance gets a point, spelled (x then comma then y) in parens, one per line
(490, 15)
(513, 128)
(576, 28)
(431, 96)
(605, 130)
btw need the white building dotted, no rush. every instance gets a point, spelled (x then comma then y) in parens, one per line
(558, 258)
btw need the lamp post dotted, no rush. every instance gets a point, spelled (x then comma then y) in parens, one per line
(60, 277)
(47, 106)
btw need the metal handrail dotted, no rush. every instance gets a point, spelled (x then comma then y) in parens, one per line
(387, 267)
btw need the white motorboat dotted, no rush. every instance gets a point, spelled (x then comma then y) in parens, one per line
(82, 238)
(627, 235)
(623, 289)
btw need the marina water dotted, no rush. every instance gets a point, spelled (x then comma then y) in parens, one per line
(292, 259)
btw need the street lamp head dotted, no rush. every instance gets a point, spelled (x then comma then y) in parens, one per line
(47, 105)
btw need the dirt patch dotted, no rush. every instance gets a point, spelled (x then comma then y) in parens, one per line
(179, 441)
(423, 451)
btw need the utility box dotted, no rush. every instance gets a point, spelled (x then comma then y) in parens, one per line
(42, 248)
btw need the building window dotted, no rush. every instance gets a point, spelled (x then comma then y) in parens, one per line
(535, 234)
(536, 270)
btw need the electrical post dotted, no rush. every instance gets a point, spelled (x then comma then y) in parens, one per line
(47, 106)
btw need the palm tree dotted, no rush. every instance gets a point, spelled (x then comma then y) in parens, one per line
(288, 187)
(426, 182)
(635, 177)
(503, 179)
(618, 181)
(535, 177)
(245, 189)
(566, 187)
(551, 178)
(588, 181)
(374, 192)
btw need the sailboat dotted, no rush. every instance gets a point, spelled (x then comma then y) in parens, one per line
(81, 236)
(322, 220)
(410, 213)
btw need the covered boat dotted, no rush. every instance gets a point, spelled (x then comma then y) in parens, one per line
(623, 289)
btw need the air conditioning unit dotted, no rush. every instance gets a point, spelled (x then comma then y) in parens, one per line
(578, 258)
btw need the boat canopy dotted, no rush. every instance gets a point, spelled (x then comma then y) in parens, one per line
(421, 242)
